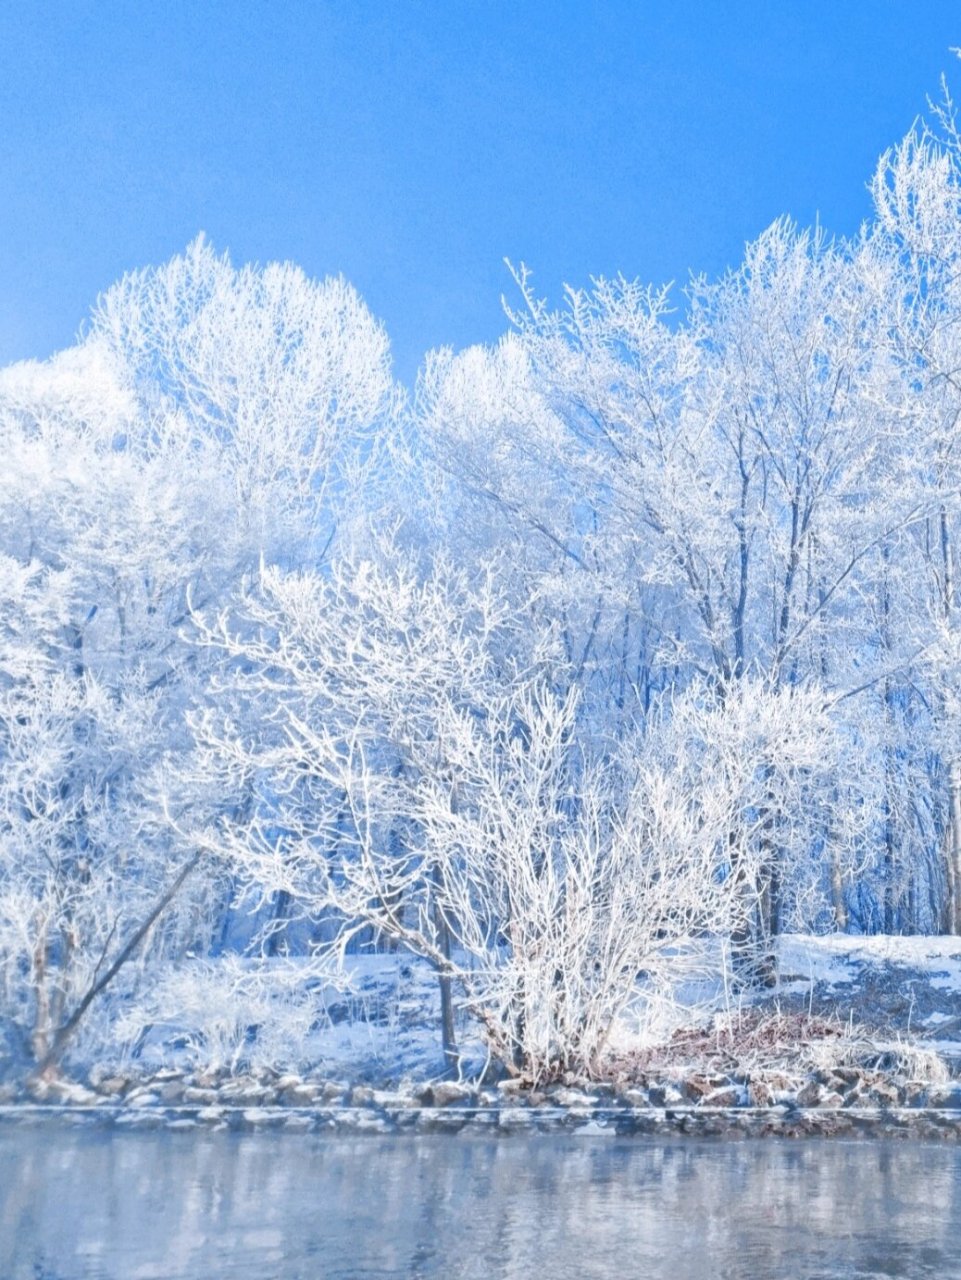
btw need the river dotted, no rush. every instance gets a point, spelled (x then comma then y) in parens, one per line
(146, 1206)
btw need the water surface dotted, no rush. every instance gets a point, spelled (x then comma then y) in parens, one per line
(139, 1206)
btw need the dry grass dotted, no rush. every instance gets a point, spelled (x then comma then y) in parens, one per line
(760, 1043)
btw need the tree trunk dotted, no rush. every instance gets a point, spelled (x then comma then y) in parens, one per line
(447, 1032)
(50, 1061)
(278, 921)
(952, 842)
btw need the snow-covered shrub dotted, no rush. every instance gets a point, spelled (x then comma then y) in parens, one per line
(230, 1013)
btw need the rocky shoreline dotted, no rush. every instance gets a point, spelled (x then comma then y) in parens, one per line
(847, 1103)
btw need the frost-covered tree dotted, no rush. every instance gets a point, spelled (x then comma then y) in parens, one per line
(917, 193)
(420, 773)
(209, 418)
(705, 501)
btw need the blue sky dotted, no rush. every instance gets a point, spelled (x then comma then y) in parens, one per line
(412, 144)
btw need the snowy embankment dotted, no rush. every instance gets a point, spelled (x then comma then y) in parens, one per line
(380, 1023)
(906, 988)
(860, 1035)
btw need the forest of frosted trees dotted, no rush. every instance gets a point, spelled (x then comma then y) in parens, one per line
(636, 631)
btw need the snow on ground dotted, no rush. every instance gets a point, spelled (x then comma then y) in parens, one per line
(381, 1022)
(906, 989)
(839, 959)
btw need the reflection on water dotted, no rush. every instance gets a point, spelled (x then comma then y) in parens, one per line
(133, 1206)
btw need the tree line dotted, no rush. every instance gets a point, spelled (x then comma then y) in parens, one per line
(633, 635)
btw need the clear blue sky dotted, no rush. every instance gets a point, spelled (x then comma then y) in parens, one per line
(412, 144)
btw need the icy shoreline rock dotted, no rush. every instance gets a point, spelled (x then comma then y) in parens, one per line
(845, 1102)
(512, 1120)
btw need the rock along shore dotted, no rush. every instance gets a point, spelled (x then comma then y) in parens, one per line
(871, 1106)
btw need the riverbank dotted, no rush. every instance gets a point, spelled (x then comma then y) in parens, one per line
(855, 1103)
(860, 1036)
(591, 1119)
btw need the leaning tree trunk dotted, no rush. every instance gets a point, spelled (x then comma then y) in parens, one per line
(49, 1063)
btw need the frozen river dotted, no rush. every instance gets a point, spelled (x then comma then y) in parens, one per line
(137, 1205)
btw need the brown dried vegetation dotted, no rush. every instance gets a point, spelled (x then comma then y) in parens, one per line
(778, 1047)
